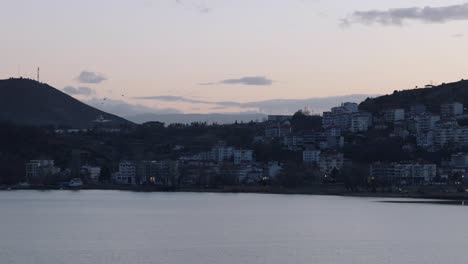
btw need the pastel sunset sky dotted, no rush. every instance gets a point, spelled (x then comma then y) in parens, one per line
(184, 54)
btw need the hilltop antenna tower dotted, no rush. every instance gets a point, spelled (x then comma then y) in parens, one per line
(38, 73)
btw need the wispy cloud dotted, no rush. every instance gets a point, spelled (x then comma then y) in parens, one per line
(171, 98)
(248, 80)
(78, 90)
(397, 16)
(91, 77)
(256, 80)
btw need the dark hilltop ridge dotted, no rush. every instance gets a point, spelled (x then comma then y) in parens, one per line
(430, 96)
(28, 102)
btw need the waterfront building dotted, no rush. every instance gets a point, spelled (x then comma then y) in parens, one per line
(404, 173)
(126, 174)
(36, 169)
(92, 173)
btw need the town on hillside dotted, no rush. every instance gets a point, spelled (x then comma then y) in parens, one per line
(345, 147)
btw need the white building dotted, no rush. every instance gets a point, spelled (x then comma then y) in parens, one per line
(243, 156)
(336, 120)
(346, 108)
(221, 153)
(126, 174)
(40, 168)
(339, 117)
(451, 110)
(311, 156)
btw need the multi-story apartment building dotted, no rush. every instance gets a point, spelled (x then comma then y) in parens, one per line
(347, 118)
(127, 173)
(339, 117)
(221, 153)
(459, 160)
(277, 130)
(360, 122)
(243, 156)
(36, 169)
(403, 173)
(450, 134)
(394, 115)
(424, 123)
(311, 157)
(333, 131)
(451, 110)
(293, 141)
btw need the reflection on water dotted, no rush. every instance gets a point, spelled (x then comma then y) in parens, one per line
(179, 228)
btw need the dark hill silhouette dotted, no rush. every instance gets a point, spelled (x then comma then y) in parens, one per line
(28, 102)
(431, 97)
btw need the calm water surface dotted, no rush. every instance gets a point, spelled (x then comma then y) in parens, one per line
(180, 228)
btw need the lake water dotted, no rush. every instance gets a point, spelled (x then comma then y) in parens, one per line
(183, 228)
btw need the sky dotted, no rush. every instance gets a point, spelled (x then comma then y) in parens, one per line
(201, 56)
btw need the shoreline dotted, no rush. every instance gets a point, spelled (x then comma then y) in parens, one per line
(316, 190)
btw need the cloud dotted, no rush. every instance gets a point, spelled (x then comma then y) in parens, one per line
(78, 90)
(256, 80)
(170, 98)
(248, 80)
(397, 16)
(91, 77)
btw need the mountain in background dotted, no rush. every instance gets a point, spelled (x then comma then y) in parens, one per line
(430, 96)
(28, 102)
(315, 105)
(251, 111)
(221, 119)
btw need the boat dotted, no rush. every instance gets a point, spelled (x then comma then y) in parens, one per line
(75, 183)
